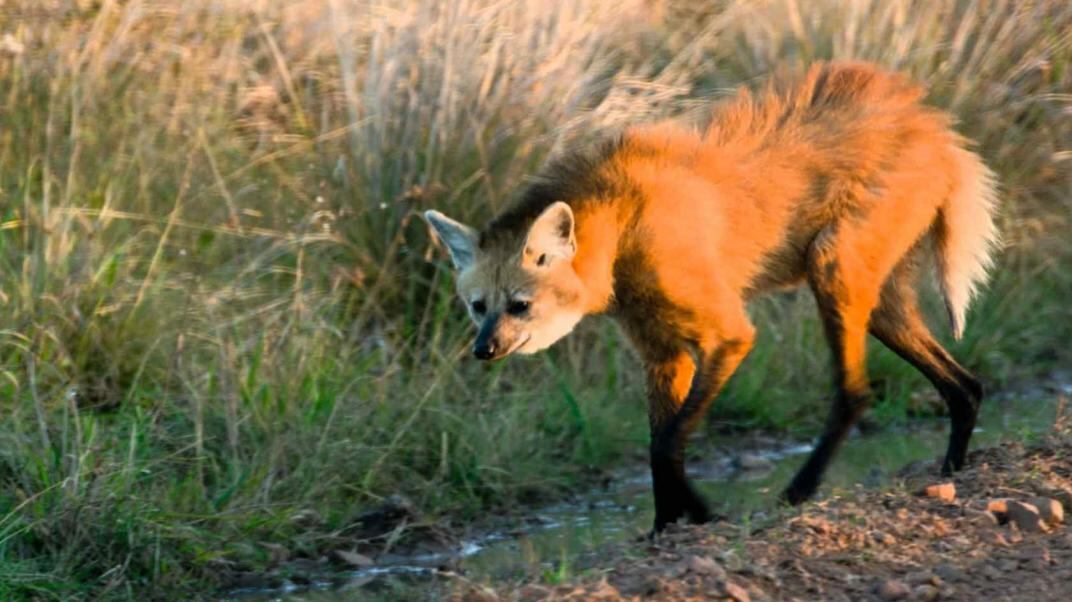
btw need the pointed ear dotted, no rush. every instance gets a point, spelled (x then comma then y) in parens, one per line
(459, 239)
(551, 236)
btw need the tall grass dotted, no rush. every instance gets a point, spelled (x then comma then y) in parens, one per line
(218, 310)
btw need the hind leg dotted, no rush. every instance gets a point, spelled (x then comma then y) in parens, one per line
(846, 290)
(899, 325)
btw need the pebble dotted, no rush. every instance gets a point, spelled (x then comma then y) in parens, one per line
(923, 578)
(1064, 496)
(996, 538)
(1025, 516)
(947, 492)
(734, 591)
(925, 592)
(949, 572)
(981, 518)
(999, 508)
(892, 589)
(705, 565)
(881, 537)
(1036, 558)
(1050, 510)
(1008, 565)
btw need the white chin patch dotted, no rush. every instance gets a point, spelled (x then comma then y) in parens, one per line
(544, 335)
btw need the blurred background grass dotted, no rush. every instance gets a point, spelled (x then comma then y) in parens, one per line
(218, 308)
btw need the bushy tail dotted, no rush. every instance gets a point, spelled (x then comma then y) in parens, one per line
(966, 236)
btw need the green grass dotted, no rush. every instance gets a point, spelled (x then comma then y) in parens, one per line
(218, 307)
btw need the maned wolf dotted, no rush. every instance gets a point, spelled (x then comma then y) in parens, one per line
(839, 178)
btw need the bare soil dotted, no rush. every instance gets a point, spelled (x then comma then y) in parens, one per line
(901, 543)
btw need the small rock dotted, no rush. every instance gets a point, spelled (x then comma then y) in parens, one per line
(883, 538)
(1000, 509)
(950, 573)
(947, 492)
(981, 518)
(734, 591)
(1025, 516)
(705, 565)
(1008, 565)
(892, 589)
(991, 572)
(996, 538)
(1036, 558)
(923, 578)
(925, 592)
(1064, 496)
(1050, 510)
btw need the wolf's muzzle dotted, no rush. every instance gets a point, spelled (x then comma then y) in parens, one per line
(486, 343)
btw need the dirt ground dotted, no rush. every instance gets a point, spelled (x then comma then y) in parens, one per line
(993, 532)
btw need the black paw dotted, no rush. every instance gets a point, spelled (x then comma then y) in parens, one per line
(796, 494)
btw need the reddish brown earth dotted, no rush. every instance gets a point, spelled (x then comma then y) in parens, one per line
(994, 532)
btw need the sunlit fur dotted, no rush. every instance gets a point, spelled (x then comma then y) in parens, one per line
(840, 178)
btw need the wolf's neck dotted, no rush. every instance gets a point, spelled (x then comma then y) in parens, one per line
(598, 230)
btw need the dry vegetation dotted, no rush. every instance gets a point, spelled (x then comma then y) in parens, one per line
(218, 309)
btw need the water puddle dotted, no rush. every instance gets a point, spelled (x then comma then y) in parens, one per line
(740, 475)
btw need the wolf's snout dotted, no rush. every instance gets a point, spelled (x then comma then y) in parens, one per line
(487, 344)
(484, 350)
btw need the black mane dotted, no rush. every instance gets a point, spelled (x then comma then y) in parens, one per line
(577, 177)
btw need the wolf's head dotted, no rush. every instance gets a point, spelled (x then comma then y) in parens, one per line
(522, 294)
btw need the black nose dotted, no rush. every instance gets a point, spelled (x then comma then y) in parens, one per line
(484, 350)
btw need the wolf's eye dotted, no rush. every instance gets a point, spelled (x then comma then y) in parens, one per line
(479, 307)
(516, 308)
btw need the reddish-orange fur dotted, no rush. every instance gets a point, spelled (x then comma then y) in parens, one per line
(835, 178)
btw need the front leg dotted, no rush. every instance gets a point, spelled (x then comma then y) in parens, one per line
(679, 396)
(669, 381)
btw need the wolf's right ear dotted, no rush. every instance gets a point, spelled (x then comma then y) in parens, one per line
(459, 239)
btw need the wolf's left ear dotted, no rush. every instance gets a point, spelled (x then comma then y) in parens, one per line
(459, 239)
(551, 236)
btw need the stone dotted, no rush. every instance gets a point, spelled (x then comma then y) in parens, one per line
(923, 578)
(883, 538)
(999, 508)
(1036, 558)
(892, 589)
(995, 538)
(734, 591)
(705, 565)
(991, 572)
(1050, 510)
(1008, 565)
(981, 518)
(925, 592)
(1064, 496)
(947, 492)
(1025, 516)
(949, 572)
